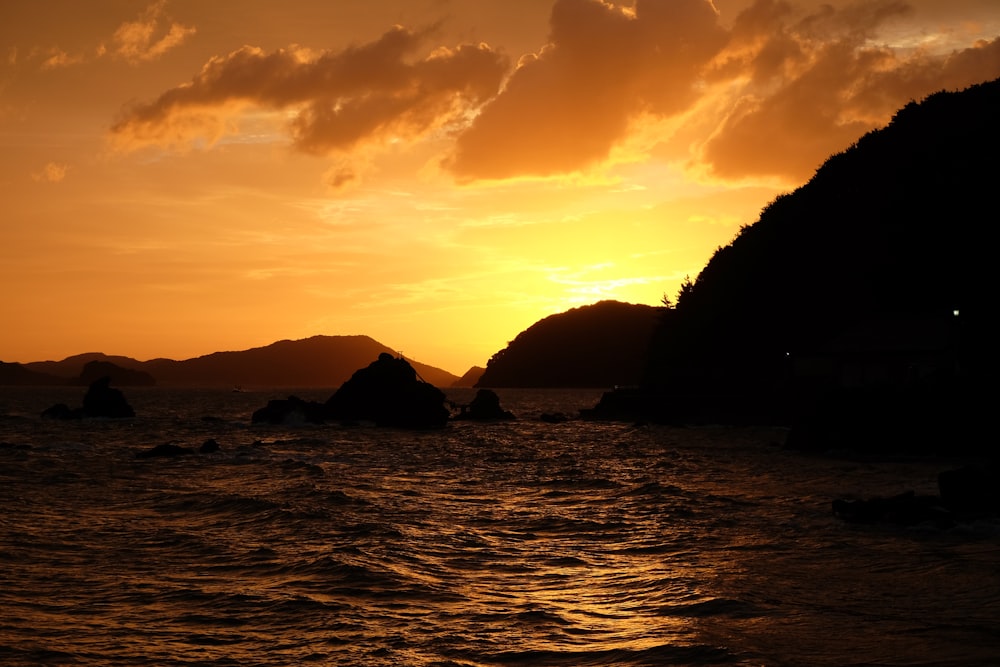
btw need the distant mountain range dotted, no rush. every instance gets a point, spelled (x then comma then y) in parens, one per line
(600, 345)
(320, 361)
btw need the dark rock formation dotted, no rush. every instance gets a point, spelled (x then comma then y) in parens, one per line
(290, 411)
(905, 509)
(389, 393)
(101, 400)
(966, 494)
(484, 407)
(210, 446)
(62, 411)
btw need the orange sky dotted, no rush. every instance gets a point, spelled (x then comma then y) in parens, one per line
(180, 177)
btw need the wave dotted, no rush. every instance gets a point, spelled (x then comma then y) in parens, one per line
(519, 543)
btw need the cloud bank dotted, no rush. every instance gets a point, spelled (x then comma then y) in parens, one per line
(337, 100)
(771, 95)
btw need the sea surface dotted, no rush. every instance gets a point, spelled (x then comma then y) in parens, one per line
(515, 543)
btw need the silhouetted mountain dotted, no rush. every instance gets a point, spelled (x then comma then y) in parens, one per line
(19, 375)
(70, 368)
(600, 345)
(320, 361)
(878, 271)
(470, 378)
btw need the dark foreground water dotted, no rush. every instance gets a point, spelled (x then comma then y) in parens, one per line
(521, 543)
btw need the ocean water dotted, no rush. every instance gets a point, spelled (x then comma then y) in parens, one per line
(517, 543)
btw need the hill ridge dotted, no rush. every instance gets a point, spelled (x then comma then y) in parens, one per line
(315, 361)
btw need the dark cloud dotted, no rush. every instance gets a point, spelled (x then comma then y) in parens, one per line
(339, 99)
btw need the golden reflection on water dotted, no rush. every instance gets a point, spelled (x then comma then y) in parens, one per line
(521, 543)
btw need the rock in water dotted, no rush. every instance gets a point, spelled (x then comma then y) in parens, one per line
(485, 407)
(289, 412)
(102, 400)
(389, 393)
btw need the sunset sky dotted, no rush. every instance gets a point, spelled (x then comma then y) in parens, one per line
(180, 177)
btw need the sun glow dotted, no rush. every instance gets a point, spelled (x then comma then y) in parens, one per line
(180, 179)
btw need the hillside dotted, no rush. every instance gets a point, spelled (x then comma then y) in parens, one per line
(470, 377)
(876, 273)
(19, 374)
(600, 345)
(320, 361)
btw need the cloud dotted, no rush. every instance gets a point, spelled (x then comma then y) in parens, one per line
(566, 107)
(50, 173)
(55, 58)
(765, 95)
(771, 96)
(373, 92)
(811, 84)
(148, 37)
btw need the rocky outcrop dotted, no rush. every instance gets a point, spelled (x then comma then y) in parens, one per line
(290, 411)
(388, 393)
(484, 407)
(62, 411)
(905, 509)
(101, 400)
(966, 494)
